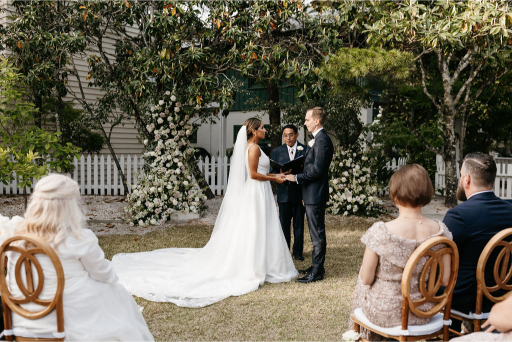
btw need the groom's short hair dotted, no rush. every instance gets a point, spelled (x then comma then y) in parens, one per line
(295, 129)
(318, 113)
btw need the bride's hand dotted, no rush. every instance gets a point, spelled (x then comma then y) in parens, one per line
(280, 178)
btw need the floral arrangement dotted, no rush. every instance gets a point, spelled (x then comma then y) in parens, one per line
(351, 187)
(165, 184)
(350, 336)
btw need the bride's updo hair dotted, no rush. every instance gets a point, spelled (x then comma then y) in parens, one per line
(54, 212)
(252, 124)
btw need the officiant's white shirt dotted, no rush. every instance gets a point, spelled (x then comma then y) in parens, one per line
(293, 148)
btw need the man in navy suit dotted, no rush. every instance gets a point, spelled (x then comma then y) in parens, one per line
(315, 189)
(473, 223)
(289, 194)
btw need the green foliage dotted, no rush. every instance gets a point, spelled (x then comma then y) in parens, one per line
(352, 70)
(75, 126)
(462, 46)
(22, 141)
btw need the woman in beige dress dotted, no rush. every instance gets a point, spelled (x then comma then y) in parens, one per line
(388, 247)
(499, 320)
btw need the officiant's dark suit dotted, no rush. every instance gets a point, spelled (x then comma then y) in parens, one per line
(289, 194)
(315, 189)
(473, 223)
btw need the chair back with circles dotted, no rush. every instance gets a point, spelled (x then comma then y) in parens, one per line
(502, 270)
(429, 256)
(30, 291)
(430, 281)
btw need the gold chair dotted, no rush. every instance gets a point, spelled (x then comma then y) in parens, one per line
(429, 283)
(502, 273)
(31, 294)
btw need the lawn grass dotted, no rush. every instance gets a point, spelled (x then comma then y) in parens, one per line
(286, 311)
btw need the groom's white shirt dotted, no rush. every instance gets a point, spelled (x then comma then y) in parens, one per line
(316, 132)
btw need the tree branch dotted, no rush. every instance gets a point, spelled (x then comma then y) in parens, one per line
(424, 85)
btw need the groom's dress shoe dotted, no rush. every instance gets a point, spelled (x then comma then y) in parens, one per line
(307, 270)
(310, 277)
(298, 257)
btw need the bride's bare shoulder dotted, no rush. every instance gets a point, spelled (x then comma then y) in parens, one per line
(254, 149)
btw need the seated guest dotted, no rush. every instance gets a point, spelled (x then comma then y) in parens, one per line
(499, 320)
(95, 306)
(388, 248)
(473, 223)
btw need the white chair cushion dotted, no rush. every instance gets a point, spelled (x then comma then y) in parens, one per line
(26, 333)
(470, 315)
(433, 326)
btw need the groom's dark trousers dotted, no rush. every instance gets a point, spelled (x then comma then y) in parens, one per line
(315, 193)
(289, 199)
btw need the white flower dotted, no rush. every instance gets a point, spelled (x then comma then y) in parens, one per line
(173, 98)
(161, 102)
(350, 336)
(311, 142)
(167, 93)
(160, 120)
(300, 148)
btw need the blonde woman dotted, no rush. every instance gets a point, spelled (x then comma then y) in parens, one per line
(96, 307)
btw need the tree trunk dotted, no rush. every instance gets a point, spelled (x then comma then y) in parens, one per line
(198, 175)
(449, 155)
(274, 114)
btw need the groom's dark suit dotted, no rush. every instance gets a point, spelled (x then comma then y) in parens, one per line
(315, 193)
(289, 198)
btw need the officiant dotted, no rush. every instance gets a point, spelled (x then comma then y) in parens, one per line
(289, 194)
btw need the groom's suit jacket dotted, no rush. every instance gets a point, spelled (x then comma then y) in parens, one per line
(287, 192)
(473, 223)
(314, 179)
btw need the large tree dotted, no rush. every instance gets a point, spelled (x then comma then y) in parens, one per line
(281, 43)
(468, 43)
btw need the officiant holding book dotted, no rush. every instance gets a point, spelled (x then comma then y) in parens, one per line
(289, 194)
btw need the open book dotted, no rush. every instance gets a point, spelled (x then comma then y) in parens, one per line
(296, 166)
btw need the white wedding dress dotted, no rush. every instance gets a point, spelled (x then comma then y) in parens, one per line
(247, 247)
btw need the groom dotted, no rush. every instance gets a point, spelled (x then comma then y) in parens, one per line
(315, 189)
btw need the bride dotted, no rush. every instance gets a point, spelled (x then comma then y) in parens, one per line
(247, 246)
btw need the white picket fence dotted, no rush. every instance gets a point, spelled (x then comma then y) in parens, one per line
(215, 170)
(96, 175)
(502, 184)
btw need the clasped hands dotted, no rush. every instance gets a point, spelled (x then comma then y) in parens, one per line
(285, 176)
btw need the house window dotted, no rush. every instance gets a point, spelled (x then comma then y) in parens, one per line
(236, 128)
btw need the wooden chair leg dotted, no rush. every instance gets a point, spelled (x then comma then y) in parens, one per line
(446, 333)
(476, 325)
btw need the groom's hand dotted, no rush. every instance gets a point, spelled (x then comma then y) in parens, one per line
(286, 173)
(290, 178)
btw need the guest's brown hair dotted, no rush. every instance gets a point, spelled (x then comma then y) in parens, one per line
(481, 168)
(318, 113)
(252, 124)
(411, 186)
